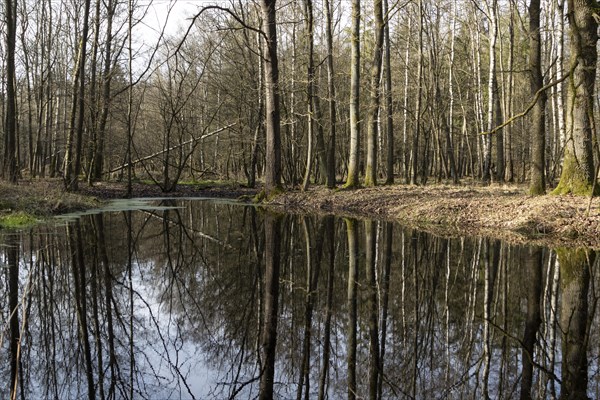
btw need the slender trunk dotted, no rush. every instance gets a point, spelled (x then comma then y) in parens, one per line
(492, 92)
(73, 155)
(389, 104)
(352, 179)
(533, 321)
(417, 132)
(405, 151)
(310, 86)
(352, 307)
(97, 162)
(79, 281)
(330, 232)
(375, 97)
(268, 340)
(12, 258)
(371, 284)
(10, 170)
(331, 181)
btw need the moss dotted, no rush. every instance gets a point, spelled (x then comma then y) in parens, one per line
(17, 220)
(537, 190)
(573, 180)
(264, 196)
(572, 261)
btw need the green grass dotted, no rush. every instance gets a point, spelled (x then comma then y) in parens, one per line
(17, 220)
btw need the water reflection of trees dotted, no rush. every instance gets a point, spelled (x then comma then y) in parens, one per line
(180, 300)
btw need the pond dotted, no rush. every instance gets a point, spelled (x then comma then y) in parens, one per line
(183, 299)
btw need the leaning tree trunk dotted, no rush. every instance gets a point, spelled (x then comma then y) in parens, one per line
(578, 164)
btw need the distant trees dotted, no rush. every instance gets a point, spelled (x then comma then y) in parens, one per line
(456, 90)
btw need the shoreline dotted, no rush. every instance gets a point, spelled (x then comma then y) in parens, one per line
(503, 212)
(499, 212)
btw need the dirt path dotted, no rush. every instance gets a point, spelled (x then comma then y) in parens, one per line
(503, 212)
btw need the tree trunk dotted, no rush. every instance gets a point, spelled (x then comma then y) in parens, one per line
(270, 310)
(332, 102)
(352, 306)
(352, 179)
(389, 111)
(575, 267)
(537, 185)
(492, 93)
(310, 86)
(73, 155)
(417, 132)
(578, 164)
(10, 170)
(273, 124)
(534, 319)
(374, 100)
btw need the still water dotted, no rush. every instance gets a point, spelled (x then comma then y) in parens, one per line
(183, 299)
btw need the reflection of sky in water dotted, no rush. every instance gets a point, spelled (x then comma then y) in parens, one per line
(182, 364)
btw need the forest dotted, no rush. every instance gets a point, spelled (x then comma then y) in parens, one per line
(300, 93)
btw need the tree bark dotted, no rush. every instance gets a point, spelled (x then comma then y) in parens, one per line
(375, 98)
(270, 311)
(537, 185)
(10, 170)
(352, 306)
(578, 164)
(332, 102)
(273, 117)
(575, 267)
(533, 320)
(389, 111)
(352, 179)
(73, 155)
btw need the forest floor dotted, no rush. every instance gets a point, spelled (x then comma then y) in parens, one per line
(497, 211)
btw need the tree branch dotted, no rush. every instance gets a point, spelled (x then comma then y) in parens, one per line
(529, 107)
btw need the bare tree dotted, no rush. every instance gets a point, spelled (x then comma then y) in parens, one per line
(537, 184)
(375, 98)
(10, 168)
(352, 179)
(273, 128)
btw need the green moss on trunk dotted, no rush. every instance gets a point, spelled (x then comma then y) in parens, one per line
(574, 180)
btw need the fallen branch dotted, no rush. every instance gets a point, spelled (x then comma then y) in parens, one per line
(192, 140)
